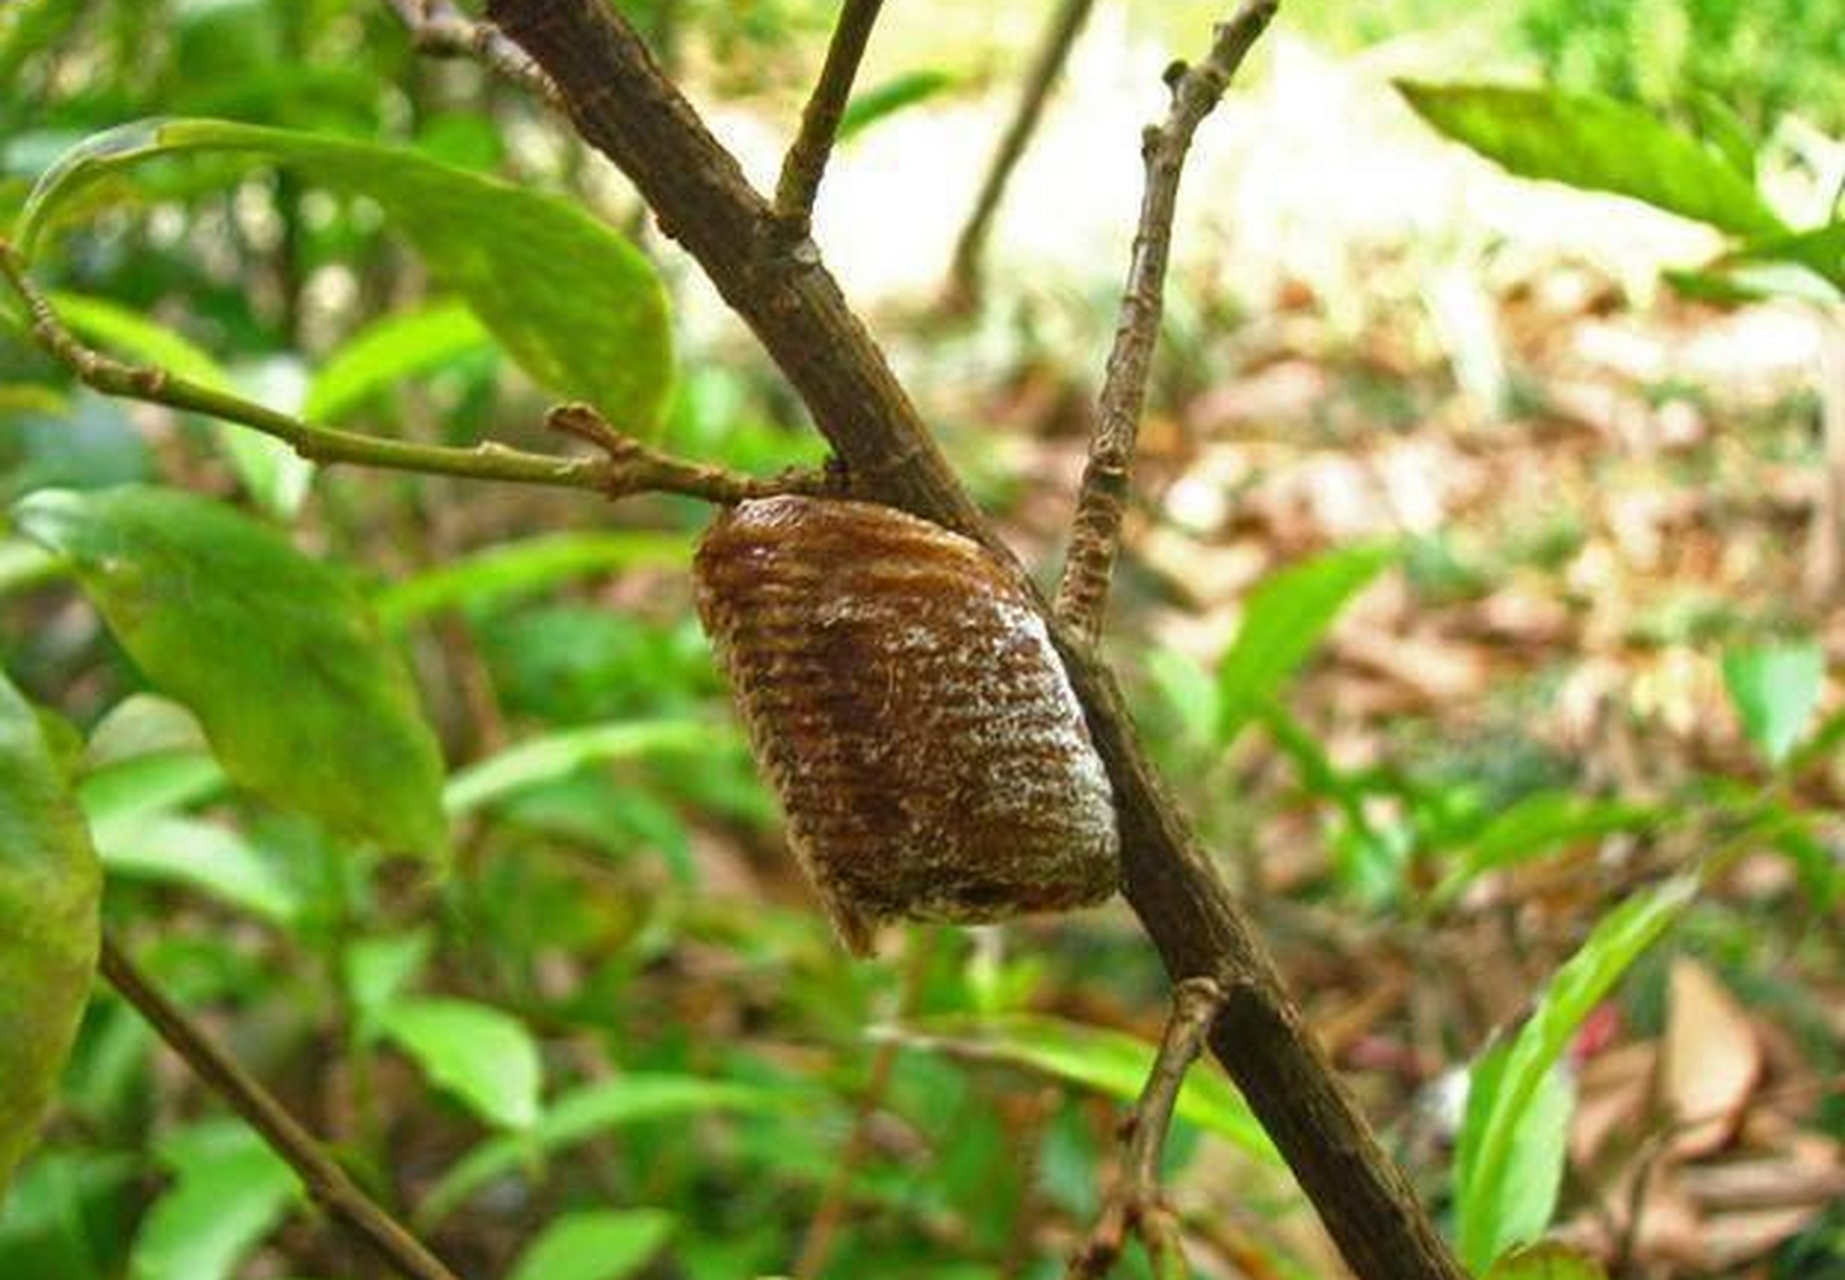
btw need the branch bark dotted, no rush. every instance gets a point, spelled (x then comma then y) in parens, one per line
(326, 1182)
(1095, 534)
(624, 106)
(805, 162)
(964, 277)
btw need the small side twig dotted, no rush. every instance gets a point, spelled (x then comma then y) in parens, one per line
(805, 163)
(970, 247)
(1135, 1204)
(326, 1182)
(440, 29)
(631, 467)
(1095, 535)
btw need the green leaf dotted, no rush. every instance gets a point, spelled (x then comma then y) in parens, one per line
(596, 1245)
(1546, 1262)
(1538, 825)
(573, 302)
(1820, 250)
(304, 700)
(229, 1193)
(377, 970)
(390, 351)
(1504, 1096)
(1599, 144)
(580, 1115)
(24, 566)
(520, 568)
(560, 754)
(483, 1056)
(1106, 1061)
(880, 101)
(270, 470)
(158, 782)
(1775, 689)
(1284, 620)
(50, 889)
(213, 860)
(1534, 1161)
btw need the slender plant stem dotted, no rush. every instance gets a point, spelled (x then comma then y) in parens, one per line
(325, 1181)
(1134, 1204)
(441, 30)
(1059, 38)
(805, 162)
(626, 466)
(1095, 533)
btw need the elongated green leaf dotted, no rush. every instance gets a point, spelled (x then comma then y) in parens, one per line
(50, 889)
(1096, 1058)
(158, 782)
(1546, 1262)
(483, 1056)
(560, 754)
(582, 1114)
(1820, 250)
(270, 470)
(571, 300)
(1775, 689)
(1538, 825)
(132, 334)
(1487, 1192)
(520, 568)
(388, 352)
(1535, 1158)
(880, 101)
(229, 1193)
(1283, 622)
(597, 1245)
(201, 856)
(303, 699)
(1597, 143)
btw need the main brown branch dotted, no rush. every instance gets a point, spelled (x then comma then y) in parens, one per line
(623, 104)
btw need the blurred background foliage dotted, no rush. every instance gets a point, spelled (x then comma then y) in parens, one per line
(1471, 606)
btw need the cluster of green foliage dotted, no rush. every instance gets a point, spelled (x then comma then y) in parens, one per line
(258, 712)
(1763, 60)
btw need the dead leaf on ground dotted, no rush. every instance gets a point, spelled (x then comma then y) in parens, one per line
(1710, 1060)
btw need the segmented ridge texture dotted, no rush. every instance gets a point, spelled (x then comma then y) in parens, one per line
(905, 701)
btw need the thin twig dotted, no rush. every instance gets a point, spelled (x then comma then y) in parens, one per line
(634, 467)
(440, 29)
(325, 1181)
(627, 466)
(970, 247)
(1135, 1204)
(1095, 534)
(823, 1227)
(805, 163)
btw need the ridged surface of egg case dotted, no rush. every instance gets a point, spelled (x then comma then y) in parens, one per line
(905, 701)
